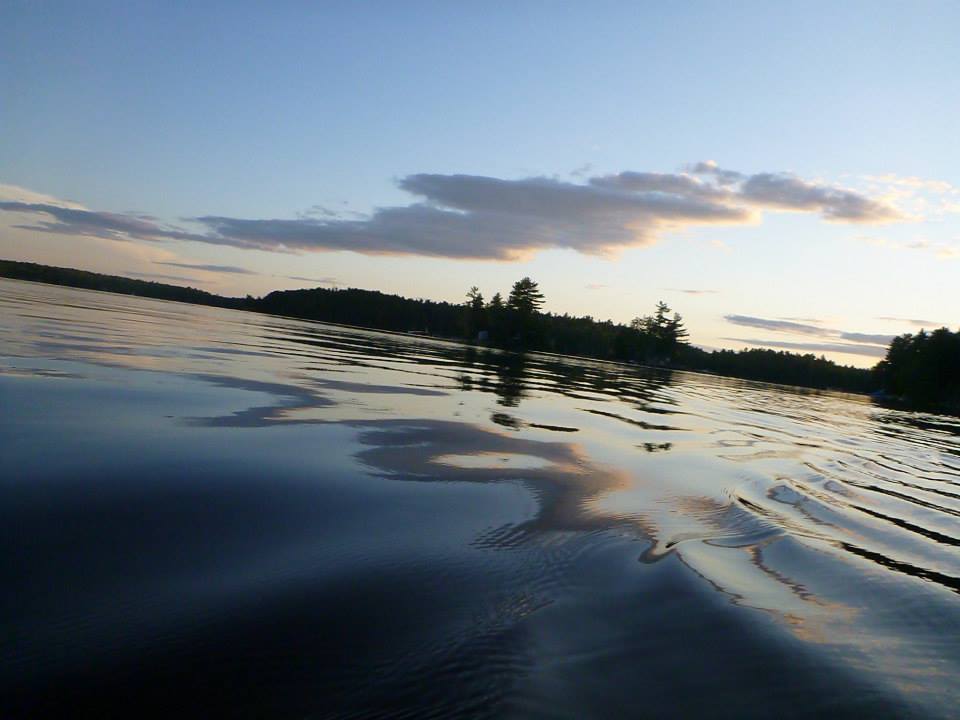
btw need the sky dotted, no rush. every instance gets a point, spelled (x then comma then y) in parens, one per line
(784, 175)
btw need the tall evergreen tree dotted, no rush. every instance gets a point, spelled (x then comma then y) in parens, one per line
(476, 313)
(524, 304)
(525, 297)
(923, 368)
(667, 333)
(475, 298)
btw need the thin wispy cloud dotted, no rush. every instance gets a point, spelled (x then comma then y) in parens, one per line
(15, 193)
(867, 338)
(850, 349)
(690, 291)
(778, 325)
(109, 226)
(232, 269)
(920, 196)
(942, 250)
(916, 322)
(162, 276)
(319, 281)
(939, 187)
(869, 344)
(487, 218)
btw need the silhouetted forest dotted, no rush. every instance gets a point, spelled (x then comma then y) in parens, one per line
(515, 322)
(780, 367)
(367, 308)
(922, 367)
(115, 284)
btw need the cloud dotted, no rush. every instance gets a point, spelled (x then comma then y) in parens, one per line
(487, 218)
(666, 183)
(320, 281)
(160, 276)
(595, 286)
(474, 217)
(778, 325)
(940, 249)
(109, 226)
(940, 187)
(867, 338)
(921, 196)
(789, 193)
(722, 177)
(780, 191)
(943, 250)
(208, 268)
(15, 193)
(687, 291)
(867, 350)
(912, 321)
(873, 345)
(784, 191)
(318, 211)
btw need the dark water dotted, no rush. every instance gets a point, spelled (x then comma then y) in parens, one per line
(208, 512)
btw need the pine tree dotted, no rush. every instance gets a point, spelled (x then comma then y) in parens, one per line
(667, 333)
(525, 297)
(476, 314)
(475, 298)
(524, 304)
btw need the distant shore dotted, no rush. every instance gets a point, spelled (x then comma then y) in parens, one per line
(558, 335)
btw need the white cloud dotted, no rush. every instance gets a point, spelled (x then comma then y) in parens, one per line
(940, 187)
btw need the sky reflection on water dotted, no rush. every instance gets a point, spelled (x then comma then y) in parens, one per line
(350, 517)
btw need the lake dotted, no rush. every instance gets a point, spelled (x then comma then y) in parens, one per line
(211, 512)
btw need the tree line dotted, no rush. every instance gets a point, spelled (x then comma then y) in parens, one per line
(518, 323)
(115, 284)
(921, 368)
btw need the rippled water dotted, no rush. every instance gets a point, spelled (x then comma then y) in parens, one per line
(207, 511)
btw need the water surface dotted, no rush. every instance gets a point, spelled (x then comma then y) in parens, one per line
(209, 511)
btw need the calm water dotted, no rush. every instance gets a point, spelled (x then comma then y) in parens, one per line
(206, 511)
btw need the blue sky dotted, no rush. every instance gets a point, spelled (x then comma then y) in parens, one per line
(841, 120)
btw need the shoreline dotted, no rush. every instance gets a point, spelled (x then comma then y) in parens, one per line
(87, 280)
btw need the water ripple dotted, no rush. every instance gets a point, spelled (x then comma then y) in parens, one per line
(378, 525)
